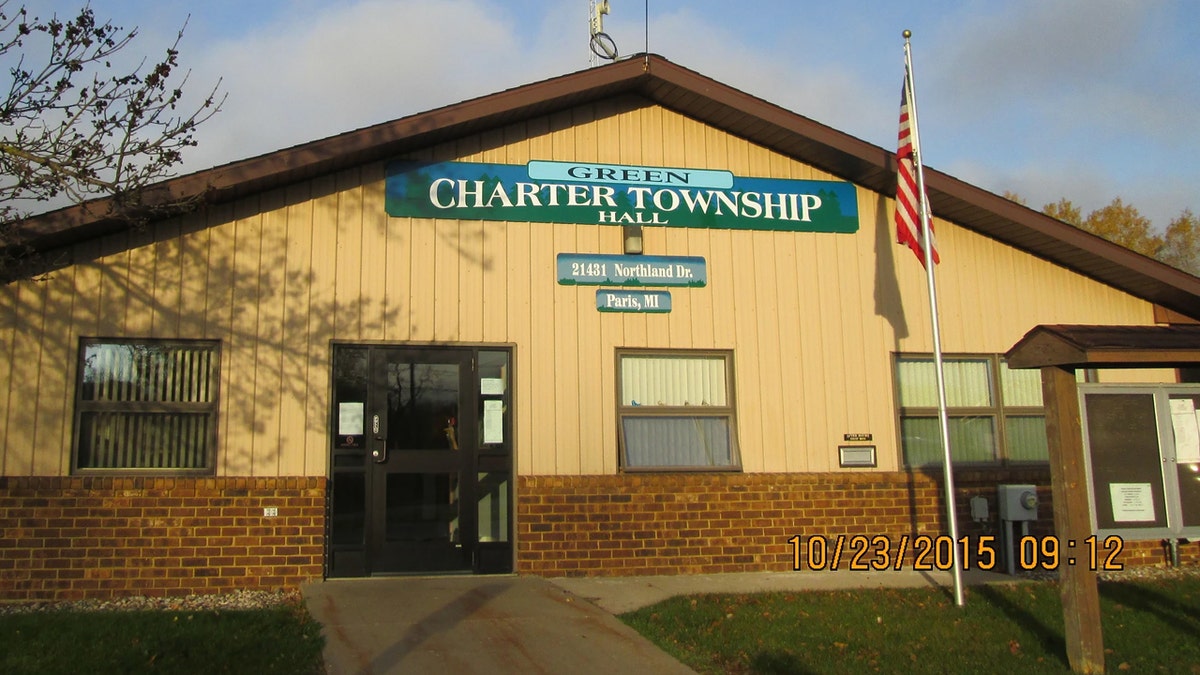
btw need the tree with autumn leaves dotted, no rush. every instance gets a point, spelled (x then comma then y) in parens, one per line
(1121, 223)
(1181, 244)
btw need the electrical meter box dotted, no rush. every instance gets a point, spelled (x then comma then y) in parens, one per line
(1017, 502)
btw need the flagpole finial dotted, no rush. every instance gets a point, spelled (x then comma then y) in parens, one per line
(907, 34)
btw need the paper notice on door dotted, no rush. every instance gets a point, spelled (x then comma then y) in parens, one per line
(491, 386)
(1131, 502)
(350, 419)
(1187, 430)
(493, 422)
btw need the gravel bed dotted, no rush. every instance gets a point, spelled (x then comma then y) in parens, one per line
(215, 602)
(1141, 572)
(1151, 572)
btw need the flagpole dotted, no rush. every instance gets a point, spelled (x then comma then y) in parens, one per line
(927, 245)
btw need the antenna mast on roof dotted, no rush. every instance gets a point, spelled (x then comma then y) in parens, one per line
(601, 44)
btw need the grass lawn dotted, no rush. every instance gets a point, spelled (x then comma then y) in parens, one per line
(1150, 626)
(281, 639)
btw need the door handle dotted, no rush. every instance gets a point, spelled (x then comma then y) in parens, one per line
(379, 454)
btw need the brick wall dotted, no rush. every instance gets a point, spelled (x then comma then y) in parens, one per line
(97, 537)
(641, 524)
(73, 537)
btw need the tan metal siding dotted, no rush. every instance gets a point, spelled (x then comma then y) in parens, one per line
(193, 247)
(297, 369)
(242, 425)
(56, 347)
(23, 438)
(374, 267)
(812, 319)
(347, 222)
(323, 327)
(269, 376)
(9, 295)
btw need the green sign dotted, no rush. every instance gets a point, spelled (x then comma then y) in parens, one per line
(641, 302)
(591, 269)
(609, 194)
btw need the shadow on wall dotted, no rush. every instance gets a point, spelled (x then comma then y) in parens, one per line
(889, 303)
(261, 275)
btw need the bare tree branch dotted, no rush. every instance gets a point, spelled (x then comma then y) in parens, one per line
(77, 128)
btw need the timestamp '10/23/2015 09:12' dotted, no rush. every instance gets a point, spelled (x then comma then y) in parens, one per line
(882, 553)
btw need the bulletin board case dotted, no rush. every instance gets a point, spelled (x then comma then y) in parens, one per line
(1142, 452)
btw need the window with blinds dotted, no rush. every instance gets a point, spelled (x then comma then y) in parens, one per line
(995, 413)
(676, 411)
(147, 405)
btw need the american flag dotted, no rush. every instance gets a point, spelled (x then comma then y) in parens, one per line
(908, 218)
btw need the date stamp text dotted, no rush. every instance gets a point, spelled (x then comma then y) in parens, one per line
(923, 553)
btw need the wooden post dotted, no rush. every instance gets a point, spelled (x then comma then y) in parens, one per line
(1072, 519)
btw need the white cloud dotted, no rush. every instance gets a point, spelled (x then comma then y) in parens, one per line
(312, 75)
(1038, 46)
(1088, 186)
(830, 93)
(1080, 99)
(348, 66)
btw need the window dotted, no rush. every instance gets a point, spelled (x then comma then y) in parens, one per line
(676, 411)
(146, 405)
(995, 413)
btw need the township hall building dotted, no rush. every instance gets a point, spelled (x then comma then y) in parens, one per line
(627, 321)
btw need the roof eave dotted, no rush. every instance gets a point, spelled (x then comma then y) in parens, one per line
(232, 181)
(690, 93)
(1084, 346)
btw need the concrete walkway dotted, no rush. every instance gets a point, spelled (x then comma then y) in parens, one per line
(464, 624)
(625, 594)
(510, 624)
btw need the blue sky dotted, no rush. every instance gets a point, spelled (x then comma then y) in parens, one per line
(1083, 99)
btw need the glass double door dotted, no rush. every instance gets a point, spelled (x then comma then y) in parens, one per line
(421, 461)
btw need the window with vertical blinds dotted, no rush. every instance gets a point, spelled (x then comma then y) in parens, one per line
(995, 413)
(676, 411)
(146, 405)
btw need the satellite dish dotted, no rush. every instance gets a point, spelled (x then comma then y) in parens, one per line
(602, 45)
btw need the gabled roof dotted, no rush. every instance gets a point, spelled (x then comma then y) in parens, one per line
(672, 86)
(1107, 347)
